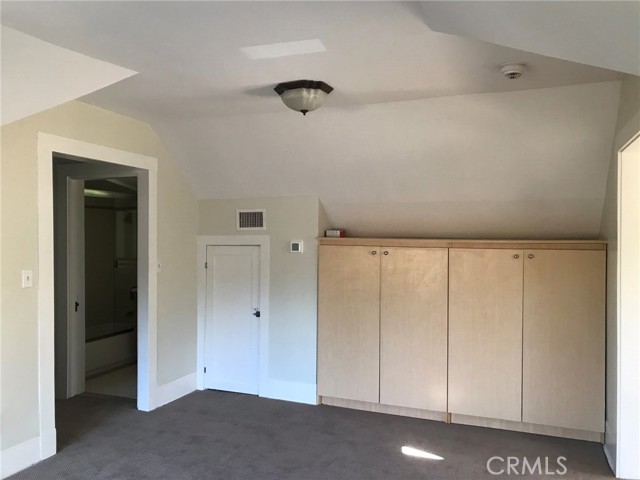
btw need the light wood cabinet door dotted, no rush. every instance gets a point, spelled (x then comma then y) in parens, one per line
(413, 328)
(564, 339)
(349, 322)
(485, 333)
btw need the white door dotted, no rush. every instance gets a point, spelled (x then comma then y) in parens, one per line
(232, 320)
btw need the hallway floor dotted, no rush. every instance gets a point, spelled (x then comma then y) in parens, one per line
(122, 382)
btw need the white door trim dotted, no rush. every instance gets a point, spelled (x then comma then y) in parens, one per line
(235, 240)
(147, 334)
(628, 335)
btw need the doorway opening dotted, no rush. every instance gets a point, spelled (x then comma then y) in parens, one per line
(111, 294)
(96, 269)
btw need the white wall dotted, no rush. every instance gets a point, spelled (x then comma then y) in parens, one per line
(525, 164)
(177, 226)
(293, 283)
(627, 126)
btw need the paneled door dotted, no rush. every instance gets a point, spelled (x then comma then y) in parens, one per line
(232, 318)
(349, 322)
(564, 332)
(413, 327)
(485, 333)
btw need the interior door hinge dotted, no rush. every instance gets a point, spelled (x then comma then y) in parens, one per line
(205, 369)
(206, 265)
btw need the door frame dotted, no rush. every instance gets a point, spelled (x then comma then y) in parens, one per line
(263, 242)
(628, 335)
(48, 145)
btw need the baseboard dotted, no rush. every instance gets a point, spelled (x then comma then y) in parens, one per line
(19, 457)
(387, 409)
(48, 444)
(171, 391)
(291, 391)
(611, 456)
(527, 427)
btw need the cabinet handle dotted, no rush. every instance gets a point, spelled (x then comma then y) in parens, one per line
(516, 256)
(373, 252)
(531, 255)
(386, 253)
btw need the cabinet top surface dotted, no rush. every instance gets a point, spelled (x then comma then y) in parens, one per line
(466, 243)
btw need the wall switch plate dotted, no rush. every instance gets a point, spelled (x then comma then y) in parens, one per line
(27, 278)
(296, 246)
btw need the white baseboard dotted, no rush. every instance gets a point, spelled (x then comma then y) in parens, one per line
(291, 391)
(171, 391)
(48, 444)
(610, 453)
(19, 457)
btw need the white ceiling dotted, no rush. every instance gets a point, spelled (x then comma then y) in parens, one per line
(422, 135)
(37, 75)
(601, 33)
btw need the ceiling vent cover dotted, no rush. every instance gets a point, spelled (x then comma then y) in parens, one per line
(512, 71)
(251, 219)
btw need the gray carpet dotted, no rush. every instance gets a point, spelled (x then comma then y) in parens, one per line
(217, 435)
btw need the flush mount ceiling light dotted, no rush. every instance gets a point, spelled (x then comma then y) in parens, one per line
(303, 95)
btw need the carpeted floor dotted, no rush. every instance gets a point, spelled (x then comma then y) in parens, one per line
(217, 435)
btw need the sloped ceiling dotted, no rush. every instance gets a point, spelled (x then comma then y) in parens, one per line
(599, 33)
(421, 137)
(37, 75)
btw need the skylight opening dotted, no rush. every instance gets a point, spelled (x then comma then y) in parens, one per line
(284, 49)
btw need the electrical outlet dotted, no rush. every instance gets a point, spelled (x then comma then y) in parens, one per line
(27, 278)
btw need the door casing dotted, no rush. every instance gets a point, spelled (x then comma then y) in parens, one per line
(48, 145)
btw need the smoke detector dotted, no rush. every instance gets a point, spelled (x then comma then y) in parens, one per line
(512, 71)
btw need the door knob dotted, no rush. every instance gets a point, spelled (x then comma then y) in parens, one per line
(373, 252)
(516, 256)
(531, 255)
(256, 313)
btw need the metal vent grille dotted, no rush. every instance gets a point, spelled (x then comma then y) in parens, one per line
(251, 220)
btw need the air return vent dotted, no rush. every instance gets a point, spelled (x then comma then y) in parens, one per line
(251, 220)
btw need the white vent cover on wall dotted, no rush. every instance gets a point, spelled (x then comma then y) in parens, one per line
(251, 219)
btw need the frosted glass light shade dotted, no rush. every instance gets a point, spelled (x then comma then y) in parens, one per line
(303, 95)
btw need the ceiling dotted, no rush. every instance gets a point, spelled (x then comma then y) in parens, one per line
(32, 80)
(419, 120)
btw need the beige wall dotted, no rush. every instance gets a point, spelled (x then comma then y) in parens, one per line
(293, 277)
(628, 125)
(177, 226)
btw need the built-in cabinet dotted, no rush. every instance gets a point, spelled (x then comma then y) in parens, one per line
(563, 339)
(349, 334)
(507, 331)
(383, 334)
(485, 333)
